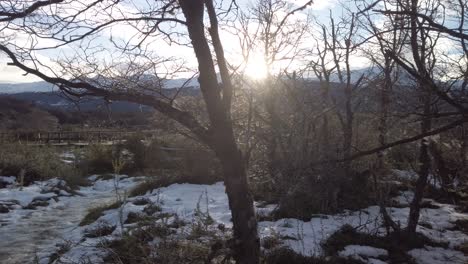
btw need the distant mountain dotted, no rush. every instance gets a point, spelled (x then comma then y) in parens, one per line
(18, 114)
(176, 83)
(56, 99)
(50, 100)
(11, 88)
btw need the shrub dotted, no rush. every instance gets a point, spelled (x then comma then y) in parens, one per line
(199, 166)
(397, 243)
(145, 157)
(133, 247)
(326, 189)
(134, 144)
(96, 212)
(75, 179)
(97, 159)
(168, 178)
(38, 163)
(151, 183)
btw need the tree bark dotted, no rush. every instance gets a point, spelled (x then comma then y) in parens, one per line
(424, 167)
(246, 242)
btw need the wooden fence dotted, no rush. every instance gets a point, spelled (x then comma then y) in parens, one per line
(69, 137)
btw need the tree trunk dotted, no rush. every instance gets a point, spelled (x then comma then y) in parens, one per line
(464, 147)
(325, 85)
(246, 242)
(443, 171)
(424, 167)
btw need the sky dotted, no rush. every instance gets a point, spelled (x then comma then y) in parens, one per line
(185, 57)
(9, 74)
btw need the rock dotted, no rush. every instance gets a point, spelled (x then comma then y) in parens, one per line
(36, 203)
(141, 201)
(41, 198)
(7, 181)
(134, 217)
(99, 231)
(4, 209)
(152, 208)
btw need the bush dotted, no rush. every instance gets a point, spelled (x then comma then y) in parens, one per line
(97, 159)
(134, 246)
(199, 166)
(96, 212)
(38, 163)
(137, 148)
(322, 190)
(397, 243)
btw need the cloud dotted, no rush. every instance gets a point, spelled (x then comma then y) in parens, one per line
(318, 4)
(324, 4)
(11, 74)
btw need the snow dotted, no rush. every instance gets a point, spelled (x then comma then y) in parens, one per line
(8, 179)
(404, 199)
(25, 195)
(27, 233)
(186, 200)
(304, 237)
(405, 175)
(436, 255)
(365, 254)
(351, 250)
(307, 236)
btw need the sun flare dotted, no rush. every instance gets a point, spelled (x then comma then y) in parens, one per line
(256, 68)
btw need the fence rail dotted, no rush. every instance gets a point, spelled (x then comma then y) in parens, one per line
(69, 137)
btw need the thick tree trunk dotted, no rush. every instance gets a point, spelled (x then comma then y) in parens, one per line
(246, 242)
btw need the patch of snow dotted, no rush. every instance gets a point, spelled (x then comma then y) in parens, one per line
(29, 233)
(184, 199)
(8, 179)
(365, 254)
(367, 251)
(404, 199)
(375, 261)
(405, 175)
(304, 237)
(265, 210)
(25, 195)
(436, 255)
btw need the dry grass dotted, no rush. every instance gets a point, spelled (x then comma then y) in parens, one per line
(96, 212)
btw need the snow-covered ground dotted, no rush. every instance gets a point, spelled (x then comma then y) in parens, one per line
(30, 234)
(303, 237)
(29, 230)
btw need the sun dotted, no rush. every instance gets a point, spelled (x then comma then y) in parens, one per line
(256, 67)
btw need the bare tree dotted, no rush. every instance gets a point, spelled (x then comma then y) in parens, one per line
(84, 23)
